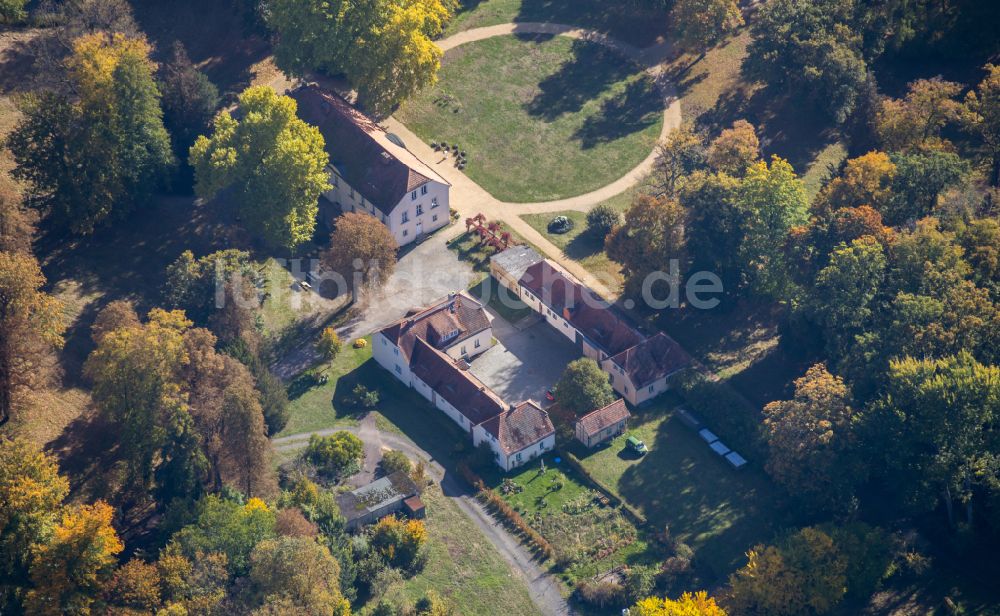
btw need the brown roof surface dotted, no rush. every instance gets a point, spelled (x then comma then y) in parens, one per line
(381, 170)
(467, 394)
(520, 427)
(604, 417)
(653, 359)
(458, 316)
(591, 315)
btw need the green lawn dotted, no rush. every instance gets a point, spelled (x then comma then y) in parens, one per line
(633, 24)
(328, 406)
(682, 485)
(469, 248)
(463, 566)
(540, 117)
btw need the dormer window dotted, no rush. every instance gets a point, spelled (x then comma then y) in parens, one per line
(449, 335)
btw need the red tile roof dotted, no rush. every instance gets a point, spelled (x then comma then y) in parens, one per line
(520, 427)
(604, 417)
(466, 393)
(458, 316)
(364, 155)
(652, 359)
(588, 313)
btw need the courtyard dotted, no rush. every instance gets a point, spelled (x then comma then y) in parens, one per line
(528, 358)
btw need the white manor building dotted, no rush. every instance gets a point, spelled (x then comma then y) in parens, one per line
(428, 349)
(372, 171)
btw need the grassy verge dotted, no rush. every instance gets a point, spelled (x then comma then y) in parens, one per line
(540, 117)
(510, 308)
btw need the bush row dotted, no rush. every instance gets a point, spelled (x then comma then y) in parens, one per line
(499, 508)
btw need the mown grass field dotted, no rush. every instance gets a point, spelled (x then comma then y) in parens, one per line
(540, 117)
(579, 245)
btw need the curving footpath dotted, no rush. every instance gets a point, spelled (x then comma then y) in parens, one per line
(469, 198)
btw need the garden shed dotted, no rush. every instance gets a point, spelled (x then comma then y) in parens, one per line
(380, 498)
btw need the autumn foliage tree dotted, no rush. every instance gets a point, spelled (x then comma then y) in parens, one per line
(361, 252)
(583, 387)
(275, 162)
(651, 235)
(811, 441)
(688, 604)
(699, 23)
(384, 48)
(95, 158)
(69, 569)
(735, 149)
(981, 117)
(31, 326)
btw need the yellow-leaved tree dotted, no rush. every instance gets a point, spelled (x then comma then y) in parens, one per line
(72, 566)
(688, 604)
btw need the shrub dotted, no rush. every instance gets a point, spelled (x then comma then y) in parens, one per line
(399, 542)
(602, 219)
(723, 410)
(560, 224)
(394, 461)
(338, 454)
(601, 594)
(365, 398)
(499, 507)
(329, 344)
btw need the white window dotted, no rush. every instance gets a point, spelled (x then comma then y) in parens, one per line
(651, 389)
(399, 370)
(405, 232)
(463, 350)
(413, 196)
(478, 343)
(405, 217)
(423, 189)
(434, 203)
(434, 218)
(396, 352)
(626, 389)
(352, 193)
(420, 209)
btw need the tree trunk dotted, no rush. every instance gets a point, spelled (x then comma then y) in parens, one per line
(948, 505)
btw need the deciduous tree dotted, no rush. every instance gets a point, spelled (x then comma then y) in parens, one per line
(919, 181)
(811, 441)
(225, 527)
(300, 571)
(31, 493)
(700, 23)
(70, 568)
(679, 155)
(384, 47)
(335, 454)
(190, 99)
(651, 235)
(275, 162)
(735, 149)
(12, 11)
(688, 604)
(361, 251)
(981, 117)
(915, 121)
(31, 325)
(583, 387)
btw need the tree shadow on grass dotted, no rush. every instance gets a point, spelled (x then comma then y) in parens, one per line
(584, 245)
(636, 109)
(590, 71)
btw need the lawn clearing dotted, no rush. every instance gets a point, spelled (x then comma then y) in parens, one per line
(682, 486)
(540, 117)
(632, 23)
(463, 566)
(510, 308)
(329, 405)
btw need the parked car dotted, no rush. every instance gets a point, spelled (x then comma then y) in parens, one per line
(635, 445)
(550, 395)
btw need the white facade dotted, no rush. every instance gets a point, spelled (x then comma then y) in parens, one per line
(516, 458)
(622, 384)
(421, 211)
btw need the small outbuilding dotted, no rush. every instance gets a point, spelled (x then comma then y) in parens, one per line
(380, 498)
(508, 266)
(603, 424)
